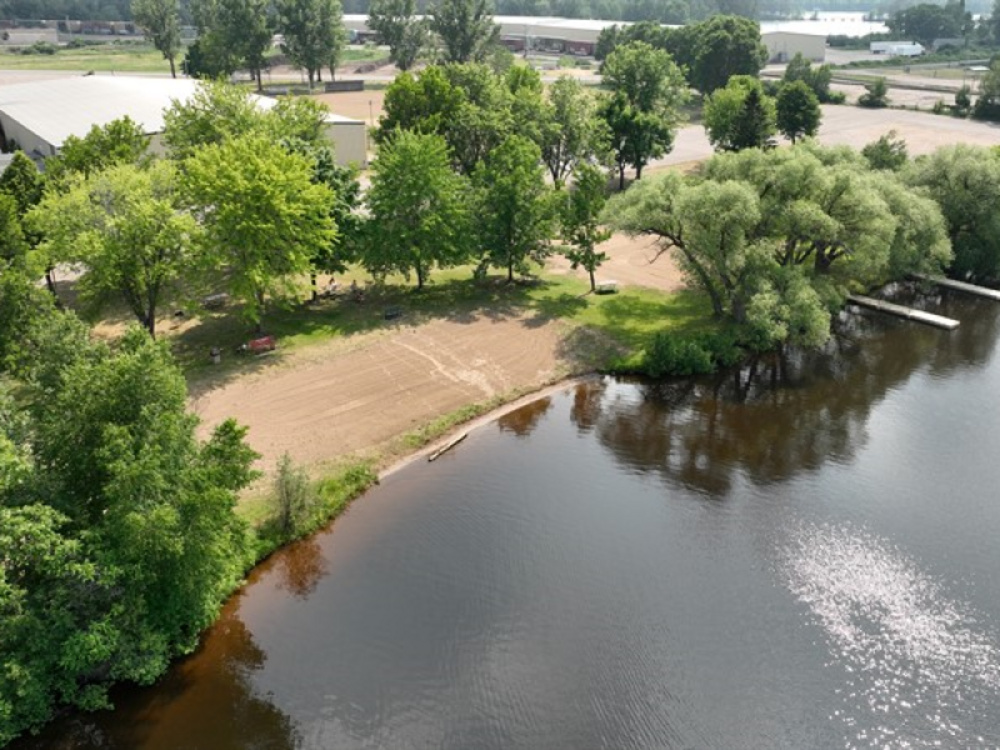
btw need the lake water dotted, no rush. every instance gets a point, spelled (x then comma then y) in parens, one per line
(803, 554)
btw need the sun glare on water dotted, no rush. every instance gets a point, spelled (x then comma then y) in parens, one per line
(918, 670)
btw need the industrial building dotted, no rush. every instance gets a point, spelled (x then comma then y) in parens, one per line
(39, 116)
(569, 36)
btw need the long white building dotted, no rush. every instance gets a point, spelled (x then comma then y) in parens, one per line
(570, 36)
(39, 116)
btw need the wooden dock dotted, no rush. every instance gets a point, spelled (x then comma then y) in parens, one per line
(904, 312)
(961, 286)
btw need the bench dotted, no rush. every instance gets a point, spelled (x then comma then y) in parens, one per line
(215, 301)
(606, 287)
(261, 345)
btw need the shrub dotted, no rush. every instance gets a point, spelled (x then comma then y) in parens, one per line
(293, 496)
(876, 95)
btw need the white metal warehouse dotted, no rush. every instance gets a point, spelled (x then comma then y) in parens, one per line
(546, 34)
(39, 116)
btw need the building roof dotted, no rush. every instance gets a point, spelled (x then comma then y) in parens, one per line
(56, 109)
(59, 108)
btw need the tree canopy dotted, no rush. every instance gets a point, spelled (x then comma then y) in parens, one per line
(777, 238)
(797, 110)
(161, 22)
(397, 26)
(516, 214)
(125, 226)
(419, 210)
(647, 88)
(264, 216)
(965, 182)
(116, 525)
(465, 28)
(740, 116)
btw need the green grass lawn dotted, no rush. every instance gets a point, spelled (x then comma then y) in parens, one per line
(124, 58)
(627, 318)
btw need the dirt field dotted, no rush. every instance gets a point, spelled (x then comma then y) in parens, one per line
(318, 408)
(630, 262)
(331, 401)
(359, 105)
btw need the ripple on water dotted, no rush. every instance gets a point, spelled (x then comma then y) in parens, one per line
(920, 672)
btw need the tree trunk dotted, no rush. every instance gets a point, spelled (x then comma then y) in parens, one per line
(593, 282)
(173, 68)
(260, 79)
(150, 324)
(638, 172)
(510, 272)
(315, 290)
(621, 176)
(259, 296)
(50, 281)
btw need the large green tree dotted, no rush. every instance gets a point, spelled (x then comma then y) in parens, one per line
(797, 111)
(469, 105)
(926, 22)
(23, 182)
(310, 29)
(572, 130)
(264, 216)
(818, 78)
(516, 215)
(397, 26)
(117, 527)
(965, 183)
(418, 209)
(740, 116)
(777, 238)
(579, 220)
(220, 111)
(125, 226)
(465, 28)
(119, 142)
(161, 23)
(723, 47)
(647, 88)
(231, 34)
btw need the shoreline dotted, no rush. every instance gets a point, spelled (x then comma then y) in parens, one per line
(465, 428)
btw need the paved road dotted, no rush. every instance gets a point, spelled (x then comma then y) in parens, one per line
(852, 126)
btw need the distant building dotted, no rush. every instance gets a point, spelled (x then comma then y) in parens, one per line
(38, 117)
(782, 45)
(571, 36)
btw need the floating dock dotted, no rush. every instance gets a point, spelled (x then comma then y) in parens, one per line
(904, 312)
(961, 286)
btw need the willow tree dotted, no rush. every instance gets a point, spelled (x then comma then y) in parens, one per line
(777, 239)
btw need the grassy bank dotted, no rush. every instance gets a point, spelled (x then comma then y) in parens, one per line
(627, 319)
(124, 57)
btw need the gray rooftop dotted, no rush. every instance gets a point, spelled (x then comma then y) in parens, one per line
(56, 109)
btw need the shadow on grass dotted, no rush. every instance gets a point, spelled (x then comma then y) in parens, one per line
(563, 305)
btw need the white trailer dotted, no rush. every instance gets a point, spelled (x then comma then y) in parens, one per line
(896, 49)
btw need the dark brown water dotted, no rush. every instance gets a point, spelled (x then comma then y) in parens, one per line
(804, 554)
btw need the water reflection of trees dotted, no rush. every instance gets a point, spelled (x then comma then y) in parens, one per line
(206, 702)
(523, 420)
(300, 567)
(779, 415)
